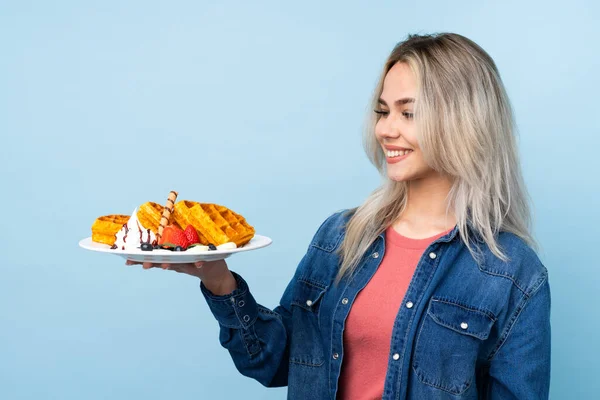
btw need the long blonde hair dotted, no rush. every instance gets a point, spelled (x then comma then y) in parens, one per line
(465, 128)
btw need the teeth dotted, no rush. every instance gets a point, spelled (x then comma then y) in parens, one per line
(397, 153)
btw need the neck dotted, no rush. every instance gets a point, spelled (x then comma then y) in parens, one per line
(425, 213)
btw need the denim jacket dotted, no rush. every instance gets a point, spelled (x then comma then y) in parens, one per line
(465, 330)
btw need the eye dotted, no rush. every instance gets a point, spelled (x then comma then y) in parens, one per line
(408, 115)
(382, 113)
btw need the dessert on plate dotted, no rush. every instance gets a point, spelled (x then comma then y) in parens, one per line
(178, 226)
(214, 223)
(106, 227)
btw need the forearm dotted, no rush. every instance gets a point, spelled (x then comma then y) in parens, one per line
(255, 336)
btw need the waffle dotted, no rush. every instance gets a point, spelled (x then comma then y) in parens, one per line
(149, 215)
(214, 223)
(106, 227)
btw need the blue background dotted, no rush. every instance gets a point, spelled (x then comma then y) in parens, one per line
(258, 106)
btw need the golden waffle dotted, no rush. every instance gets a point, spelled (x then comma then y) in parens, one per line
(215, 224)
(106, 227)
(149, 215)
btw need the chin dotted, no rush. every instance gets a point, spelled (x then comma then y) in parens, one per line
(399, 178)
(406, 177)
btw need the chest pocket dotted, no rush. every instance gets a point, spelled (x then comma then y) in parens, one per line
(448, 343)
(306, 346)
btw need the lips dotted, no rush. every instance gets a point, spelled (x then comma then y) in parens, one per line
(394, 156)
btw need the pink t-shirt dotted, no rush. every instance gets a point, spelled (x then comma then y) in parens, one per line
(368, 330)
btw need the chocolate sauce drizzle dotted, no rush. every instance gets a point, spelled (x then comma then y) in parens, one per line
(126, 232)
(154, 242)
(149, 238)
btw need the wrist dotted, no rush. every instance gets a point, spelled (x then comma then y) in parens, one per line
(222, 286)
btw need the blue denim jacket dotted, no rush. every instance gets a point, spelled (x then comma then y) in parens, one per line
(465, 330)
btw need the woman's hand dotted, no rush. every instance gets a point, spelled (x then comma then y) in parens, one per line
(214, 274)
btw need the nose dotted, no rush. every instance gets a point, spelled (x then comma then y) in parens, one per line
(386, 129)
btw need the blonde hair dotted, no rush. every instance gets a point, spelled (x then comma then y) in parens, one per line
(465, 129)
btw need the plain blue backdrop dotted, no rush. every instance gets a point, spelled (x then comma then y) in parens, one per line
(258, 106)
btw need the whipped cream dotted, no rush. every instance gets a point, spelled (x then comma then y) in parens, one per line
(227, 246)
(133, 234)
(204, 249)
(197, 249)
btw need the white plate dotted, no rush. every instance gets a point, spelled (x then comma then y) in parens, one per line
(175, 257)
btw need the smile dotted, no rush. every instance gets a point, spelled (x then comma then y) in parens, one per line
(394, 156)
(396, 153)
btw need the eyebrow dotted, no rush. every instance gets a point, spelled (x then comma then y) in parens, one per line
(399, 102)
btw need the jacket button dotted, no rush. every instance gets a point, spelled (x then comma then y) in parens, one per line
(396, 356)
(241, 303)
(376, 255)
(246, 318)
(409, 304)
(432, 255)
(464, 325)
(309, 303)
(344, 300)
(336, 356)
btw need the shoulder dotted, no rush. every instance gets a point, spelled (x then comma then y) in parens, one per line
(318, 266)
(523, 267)
(331, 231)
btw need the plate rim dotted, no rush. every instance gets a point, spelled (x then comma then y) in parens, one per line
(137, 252)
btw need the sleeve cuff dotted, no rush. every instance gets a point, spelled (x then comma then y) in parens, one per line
(237, 309)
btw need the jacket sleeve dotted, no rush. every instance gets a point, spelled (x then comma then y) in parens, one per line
(256, 337)
(520, 369)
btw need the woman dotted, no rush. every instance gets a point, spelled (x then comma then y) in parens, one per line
(431, 289)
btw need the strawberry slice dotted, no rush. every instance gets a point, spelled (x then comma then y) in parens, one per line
(192, 235)
(172, 237)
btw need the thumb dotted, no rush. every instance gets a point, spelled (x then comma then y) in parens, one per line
(199, 264)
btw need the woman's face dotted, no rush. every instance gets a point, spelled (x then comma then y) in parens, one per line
(396, 130)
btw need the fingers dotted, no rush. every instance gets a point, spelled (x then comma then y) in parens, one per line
(166, 266)
(145, 265)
